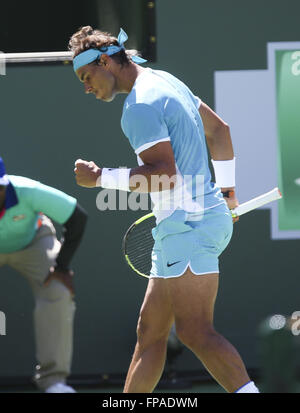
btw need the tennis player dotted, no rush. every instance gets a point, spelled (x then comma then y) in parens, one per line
(168, 128)
(29, 245)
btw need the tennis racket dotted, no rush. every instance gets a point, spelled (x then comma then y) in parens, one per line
(138, 241)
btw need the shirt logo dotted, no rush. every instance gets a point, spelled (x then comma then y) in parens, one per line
(18, 217)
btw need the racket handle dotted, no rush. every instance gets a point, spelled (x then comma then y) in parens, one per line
(257, 202)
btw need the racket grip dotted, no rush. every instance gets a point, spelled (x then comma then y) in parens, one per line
(257, 202)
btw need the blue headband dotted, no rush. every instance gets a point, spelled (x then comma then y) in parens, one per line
(91, 55)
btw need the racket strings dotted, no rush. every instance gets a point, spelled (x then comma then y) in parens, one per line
(138, 241)
(139, 244)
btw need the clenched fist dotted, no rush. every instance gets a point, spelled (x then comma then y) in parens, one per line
(87, 173)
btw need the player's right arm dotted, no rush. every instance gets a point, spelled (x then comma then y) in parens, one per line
(149, 137)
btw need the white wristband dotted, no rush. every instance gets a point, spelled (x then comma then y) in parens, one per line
(115, 178)
(224, 173)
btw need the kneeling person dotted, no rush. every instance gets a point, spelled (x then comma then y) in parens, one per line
(28, 244)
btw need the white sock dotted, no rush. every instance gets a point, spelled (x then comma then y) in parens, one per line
(248, 388)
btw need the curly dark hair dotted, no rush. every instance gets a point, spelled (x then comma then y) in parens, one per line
(88, 38)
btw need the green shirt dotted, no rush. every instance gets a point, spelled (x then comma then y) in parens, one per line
(25, 199)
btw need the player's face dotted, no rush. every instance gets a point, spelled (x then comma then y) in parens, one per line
(98, 80)
(2, 195)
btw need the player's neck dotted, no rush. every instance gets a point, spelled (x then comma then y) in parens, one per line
(127, 77)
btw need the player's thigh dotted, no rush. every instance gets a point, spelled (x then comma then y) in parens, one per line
(193, 299)
(156, 314)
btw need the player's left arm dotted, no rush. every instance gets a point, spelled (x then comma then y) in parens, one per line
(218, 138)
(217, 134)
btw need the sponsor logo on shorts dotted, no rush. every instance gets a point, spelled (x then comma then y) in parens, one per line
(172, 263)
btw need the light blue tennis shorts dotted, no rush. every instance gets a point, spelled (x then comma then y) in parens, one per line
(197, 244)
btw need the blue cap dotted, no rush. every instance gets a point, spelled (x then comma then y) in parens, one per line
(3, 177)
